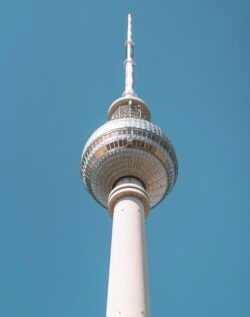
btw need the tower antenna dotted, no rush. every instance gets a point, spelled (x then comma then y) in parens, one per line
(129, 61)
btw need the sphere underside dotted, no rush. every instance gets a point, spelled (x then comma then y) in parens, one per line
(128, 147)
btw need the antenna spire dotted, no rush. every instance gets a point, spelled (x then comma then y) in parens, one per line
(129, 61)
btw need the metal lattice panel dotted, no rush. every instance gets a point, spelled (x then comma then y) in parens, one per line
(124, 111)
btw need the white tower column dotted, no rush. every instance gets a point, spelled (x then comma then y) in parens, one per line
(128, 292)
(128, 144)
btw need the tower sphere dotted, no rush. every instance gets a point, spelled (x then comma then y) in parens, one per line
(129, 145)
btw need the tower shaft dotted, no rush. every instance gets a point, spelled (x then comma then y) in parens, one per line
(128, 292)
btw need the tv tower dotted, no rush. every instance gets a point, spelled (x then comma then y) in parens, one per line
(128, 165)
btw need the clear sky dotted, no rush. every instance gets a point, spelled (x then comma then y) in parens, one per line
(60, 69)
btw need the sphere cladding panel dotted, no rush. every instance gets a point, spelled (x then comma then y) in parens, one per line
(126, 122)
(129, 147)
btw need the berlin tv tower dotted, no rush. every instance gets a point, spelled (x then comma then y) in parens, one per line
(128, 165)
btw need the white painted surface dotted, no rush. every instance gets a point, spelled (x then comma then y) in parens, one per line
(128, 293)
(129, 61)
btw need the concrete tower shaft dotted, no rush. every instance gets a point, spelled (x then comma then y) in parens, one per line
(128, 291)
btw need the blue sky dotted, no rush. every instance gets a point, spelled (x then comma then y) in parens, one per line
(61, 68)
